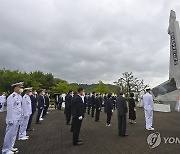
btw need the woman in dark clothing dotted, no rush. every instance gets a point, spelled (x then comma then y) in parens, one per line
(132, 109)
(109, 109)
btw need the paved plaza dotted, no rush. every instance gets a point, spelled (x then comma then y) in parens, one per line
(54, 137)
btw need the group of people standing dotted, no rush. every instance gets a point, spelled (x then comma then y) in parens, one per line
(76, 105)
(20, 112)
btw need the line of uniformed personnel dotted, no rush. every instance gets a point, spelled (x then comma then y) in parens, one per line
(20, 112)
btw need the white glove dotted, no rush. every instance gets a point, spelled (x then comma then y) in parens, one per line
(99, 108)
(80, 118)
(112, 111)
(134, 109)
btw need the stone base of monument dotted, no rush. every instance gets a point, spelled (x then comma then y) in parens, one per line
(162, 108)
(170, 98)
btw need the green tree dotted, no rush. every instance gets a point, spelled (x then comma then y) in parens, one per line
(102, 88)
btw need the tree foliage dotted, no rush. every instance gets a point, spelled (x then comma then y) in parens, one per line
(128, 83)
(102, 88)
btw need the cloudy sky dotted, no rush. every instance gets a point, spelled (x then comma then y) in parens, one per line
(86, 41)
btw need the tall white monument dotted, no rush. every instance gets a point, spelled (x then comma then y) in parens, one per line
(174, 32)
(168, 92)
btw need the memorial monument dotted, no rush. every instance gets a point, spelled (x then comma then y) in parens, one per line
(168, 92)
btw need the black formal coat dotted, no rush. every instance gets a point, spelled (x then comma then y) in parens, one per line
(78, 107)
(46, 100)
(93, 100)
(68, 102)
(33, 103)
(121, 105)
(41, 101)
(109, 105)
(97, 103)
(132, 113)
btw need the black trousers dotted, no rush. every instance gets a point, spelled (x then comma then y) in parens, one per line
(30, 121)
(68, 116)
(76, 129)
(45, 111)
(72, 125)
(89, 108)
(38, 115)
(109, 114)
(59, 106)
(122, 125)
(97, 115)
(92, 111)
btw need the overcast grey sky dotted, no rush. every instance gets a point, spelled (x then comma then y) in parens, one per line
(86, 41)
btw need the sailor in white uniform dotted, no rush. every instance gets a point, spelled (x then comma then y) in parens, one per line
(2, 101)
(26, 113)
(148, 108)
(14, 113)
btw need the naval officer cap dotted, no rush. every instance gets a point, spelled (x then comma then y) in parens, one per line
(148, 88)
(28, 89)
(20, 84)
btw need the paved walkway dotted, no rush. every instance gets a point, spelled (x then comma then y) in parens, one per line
(54, 137)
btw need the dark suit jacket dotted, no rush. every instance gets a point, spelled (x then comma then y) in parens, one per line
(109, 105)
(33, 103)
(98, 103)
(46, 100)
(68, 102)
(93, 100)
(41, 101)
(78, 107)
(89, 101)
(121, 105)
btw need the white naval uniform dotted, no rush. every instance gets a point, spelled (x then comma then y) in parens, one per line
(26, 112)
(2, 102)
(148, 109)
(13, 118)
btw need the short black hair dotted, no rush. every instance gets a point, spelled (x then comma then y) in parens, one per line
(109, 95)
(75, 93)
(80, 89)
(148, 90)
(120, 93)
(93, 92)
(131, 94)
(70, 91)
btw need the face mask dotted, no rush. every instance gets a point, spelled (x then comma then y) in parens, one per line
(30, 93)
(43, 93)
(21, 90)
(35, 93)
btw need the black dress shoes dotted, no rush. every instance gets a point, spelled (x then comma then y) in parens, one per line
(124, 135)
(80, 140)
(78, 143)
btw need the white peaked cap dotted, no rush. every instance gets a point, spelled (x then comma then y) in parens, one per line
(17, 84)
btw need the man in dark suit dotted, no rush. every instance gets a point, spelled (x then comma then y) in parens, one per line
(93, 104)
(78, 115)
(68, 107)
(121, 111)
(101, 101)
(105, 100)
(47, 101)
(41, 102)
(98, 107)
(89, 102)
(72, 103)
(33, 98)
